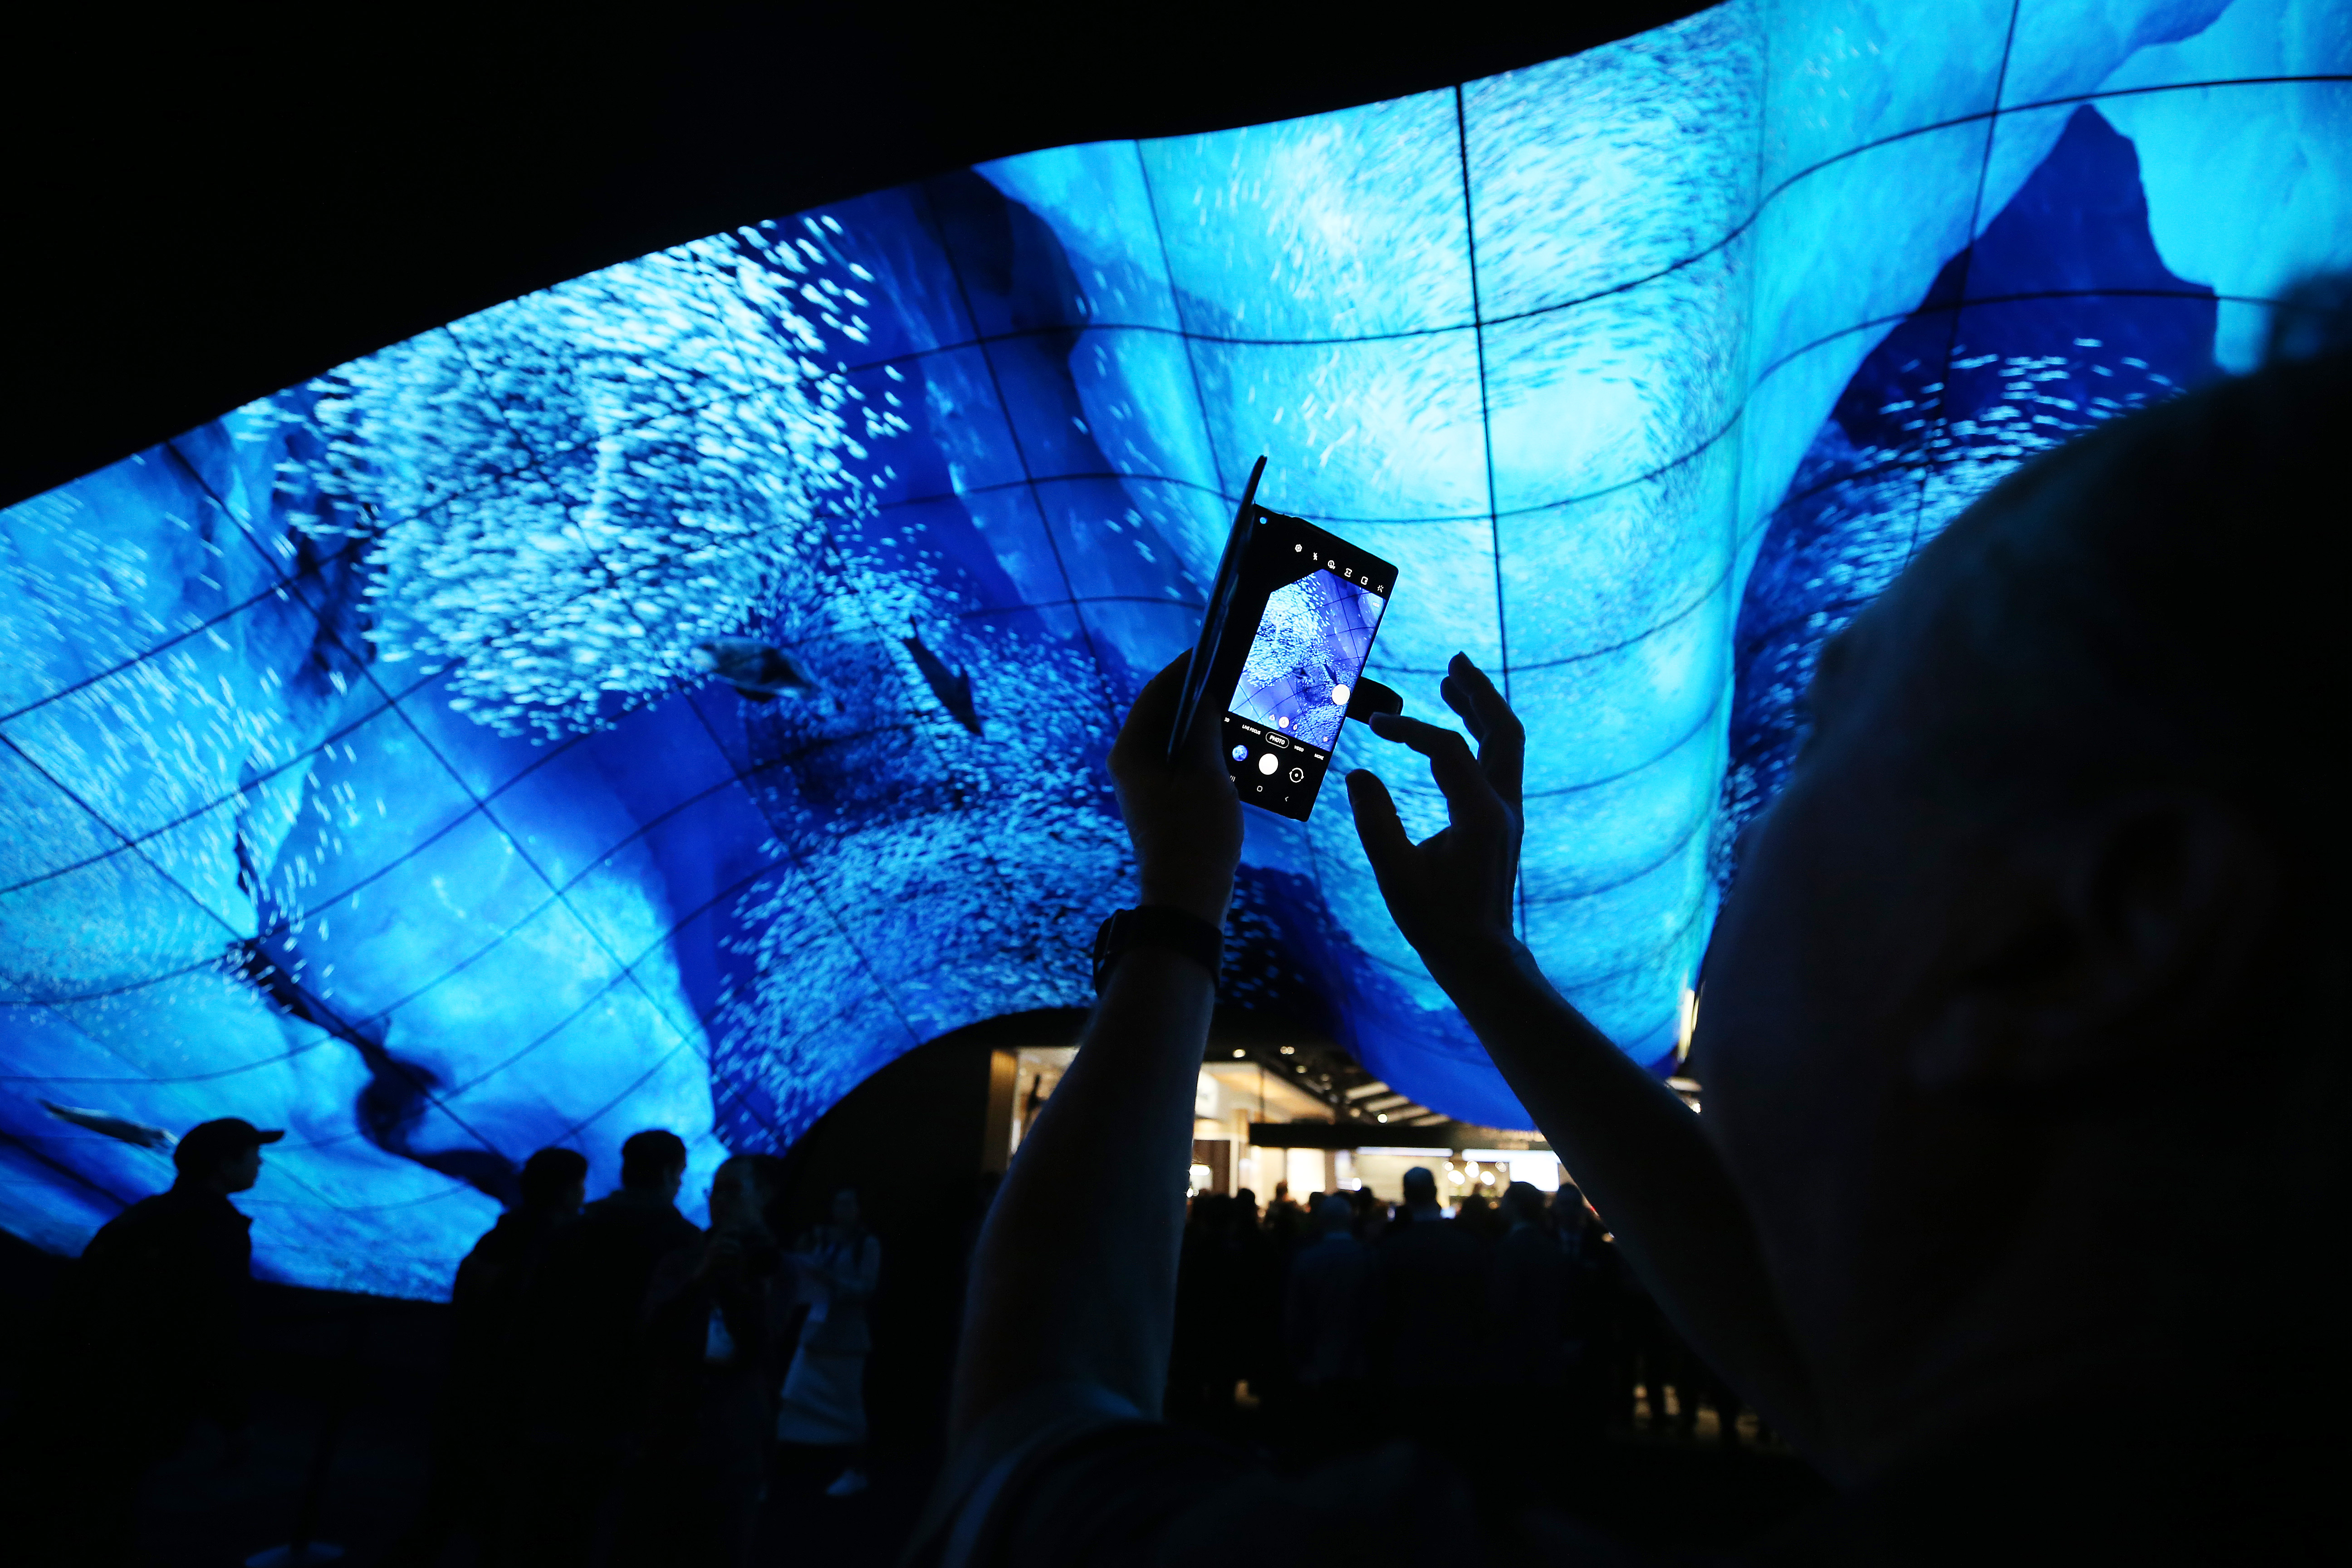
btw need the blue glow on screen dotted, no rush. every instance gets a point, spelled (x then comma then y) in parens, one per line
(1309, 646)
(364, 769)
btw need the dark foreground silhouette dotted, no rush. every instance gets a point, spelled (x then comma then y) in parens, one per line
(2028, 976)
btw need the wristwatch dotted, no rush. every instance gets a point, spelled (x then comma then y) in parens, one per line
(1156, 925)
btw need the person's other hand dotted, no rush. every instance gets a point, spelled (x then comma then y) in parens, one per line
(1185, 820)
(1451, 894)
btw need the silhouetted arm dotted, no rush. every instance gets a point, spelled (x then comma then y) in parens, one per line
(1636, 1149)
(1070, 1289)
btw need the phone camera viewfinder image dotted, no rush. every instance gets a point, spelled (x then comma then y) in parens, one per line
(1290, 656)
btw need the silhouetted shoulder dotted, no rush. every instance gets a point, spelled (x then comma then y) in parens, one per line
(179, 1229)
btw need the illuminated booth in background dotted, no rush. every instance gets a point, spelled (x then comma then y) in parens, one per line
(364, 771)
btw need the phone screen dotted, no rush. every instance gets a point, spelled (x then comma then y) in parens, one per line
(1310, 603)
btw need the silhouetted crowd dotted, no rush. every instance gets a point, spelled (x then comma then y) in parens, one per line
(617, 1385)
(1345, 1321)
(619, 1382)
(619, 1379)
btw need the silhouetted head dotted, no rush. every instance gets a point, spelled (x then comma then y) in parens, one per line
(740, 1195)
(555, 1181)
(773, 1174)
(1523, 1203)
(223, 1155)
(1335, 1216)
(2050, 915)
(1568, 1209)
(1420, 1187)
(1245, 1203)
(654, 1161)
(845, 1208)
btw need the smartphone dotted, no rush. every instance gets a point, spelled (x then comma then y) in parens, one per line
(1290, 624)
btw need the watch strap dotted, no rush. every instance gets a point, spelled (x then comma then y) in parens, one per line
(1157, 925)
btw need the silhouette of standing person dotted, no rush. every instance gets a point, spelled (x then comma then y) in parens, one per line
(1330, 1299)
(577, 1344)
(1432, 1309)
(713, 1315)
(825, 1392)
(474, 1424)
(143, 1337)
(1527, 1296)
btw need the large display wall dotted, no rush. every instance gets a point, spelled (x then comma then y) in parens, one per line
(364, 771)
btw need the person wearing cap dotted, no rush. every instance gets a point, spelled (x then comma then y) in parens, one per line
(142, 1339)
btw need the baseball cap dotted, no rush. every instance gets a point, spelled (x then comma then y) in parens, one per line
(208, 1144)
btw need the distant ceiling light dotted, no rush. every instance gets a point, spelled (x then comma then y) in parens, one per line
(1239, 1054)
(1384, 1116)
(1290, 1050)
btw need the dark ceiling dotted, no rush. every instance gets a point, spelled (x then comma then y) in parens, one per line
(203, 210)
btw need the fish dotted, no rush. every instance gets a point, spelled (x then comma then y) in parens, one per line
(137, 1134)
(952, 687)
(253, 962)
(758, 671)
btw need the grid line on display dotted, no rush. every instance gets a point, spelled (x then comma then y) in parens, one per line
(131, 840)
(108, 1046)
(1553, 307)
(947, 766)
(1967, 263)
(287, 587)
(1586, 786)
(328, 1035)
(628, 968)
(479, 803)
(1176, 303)
(72, 1175)
(1648, 955)
(385, 1013)
(108, 993)
(210, 624)
(1020, 456)
(614, 982)
(367, 672)
(1646, 476)
(1485, 420)
(1486, 440)
(1581, 498)
(1681, 842)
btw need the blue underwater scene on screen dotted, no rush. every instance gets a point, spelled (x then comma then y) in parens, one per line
(666, 698)
(1309, 646)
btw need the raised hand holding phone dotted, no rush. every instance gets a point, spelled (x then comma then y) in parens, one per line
(1181, 812)
(1288, 629)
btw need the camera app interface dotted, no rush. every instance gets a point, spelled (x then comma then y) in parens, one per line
(1322, 605)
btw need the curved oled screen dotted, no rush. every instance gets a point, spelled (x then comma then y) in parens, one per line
(664, 700)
